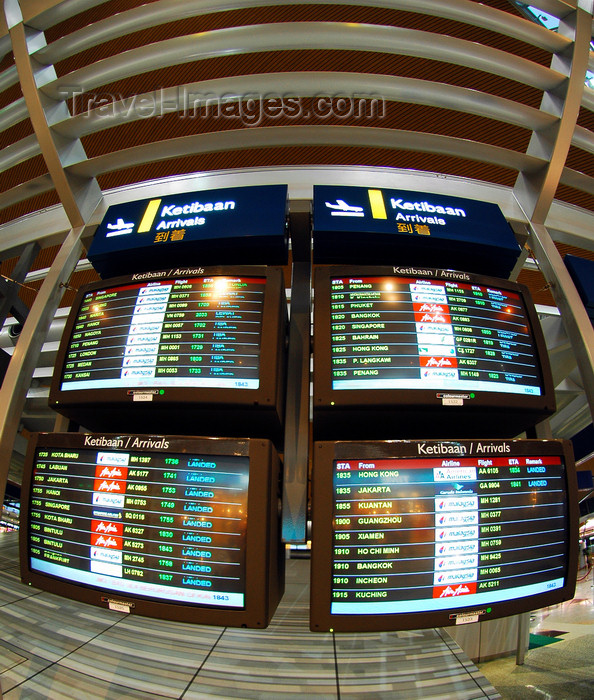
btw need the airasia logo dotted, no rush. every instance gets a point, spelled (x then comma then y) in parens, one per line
(455, 590)
(107, 473)
(104, 471)
(433, 318)
(439, 362)
(106, 541)
(459, 590)
(109, 486)
(101, 527)
(431, 308)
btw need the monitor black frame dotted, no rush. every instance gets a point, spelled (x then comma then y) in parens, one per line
(419, 413)
(264, 556)
(192, 410)
(325, 453)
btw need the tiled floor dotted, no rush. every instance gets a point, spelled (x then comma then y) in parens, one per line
(54, 648)
(563, 670)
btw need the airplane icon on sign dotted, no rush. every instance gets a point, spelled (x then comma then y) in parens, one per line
(341, 208)
(119, 228)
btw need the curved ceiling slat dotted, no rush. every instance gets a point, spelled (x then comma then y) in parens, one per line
(5, 44)
(577, 180)
(13, 113)
(583, 139)
(310, 84)
(26, 190)
(18, 152)
(266, 137)
(588, 99)
(25, 229)
(8, 78)
(304, 35)
(156, 13)
(44, 14)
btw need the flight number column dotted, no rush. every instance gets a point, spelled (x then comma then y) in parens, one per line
(522, 515)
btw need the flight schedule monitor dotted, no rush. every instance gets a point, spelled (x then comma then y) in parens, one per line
(203, 341)
(413, 534)
(410, 342)
(184, 528)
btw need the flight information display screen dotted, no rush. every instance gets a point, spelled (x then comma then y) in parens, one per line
(391, 332)
(413, 534)
(171, 526)
(186, 332)
(431, 528)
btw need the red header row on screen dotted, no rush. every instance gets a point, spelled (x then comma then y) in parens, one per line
(441, 462)
(428, 283)
(190, 280)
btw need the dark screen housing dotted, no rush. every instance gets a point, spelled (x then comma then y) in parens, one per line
(417, 534)
(415, 352)
(165, 526)
(192, 351)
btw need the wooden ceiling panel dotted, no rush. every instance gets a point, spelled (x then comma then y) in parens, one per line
(539, 289)
(10, 95)
(23, 172)
(16, 133)
(40, 201)
(580, 160)
(576, 197)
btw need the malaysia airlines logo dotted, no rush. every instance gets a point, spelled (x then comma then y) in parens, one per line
(112, 458)
(109, 500)
(120, 228)
(138, 373)
(440, 373)
(146, 328)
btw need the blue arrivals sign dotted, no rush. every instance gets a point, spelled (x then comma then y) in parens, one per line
(582, 274)
(367, 225)
(229, 226)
